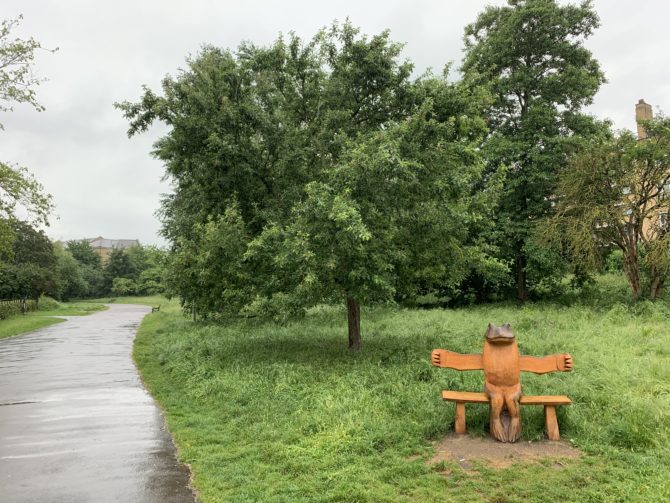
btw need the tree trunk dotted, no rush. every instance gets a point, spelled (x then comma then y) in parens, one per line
(657, 282)
(354, 317)
(632, 271)
(521, 288)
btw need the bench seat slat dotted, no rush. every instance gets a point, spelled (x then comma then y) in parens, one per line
(474, 397)
(545, 400)
(465, 397)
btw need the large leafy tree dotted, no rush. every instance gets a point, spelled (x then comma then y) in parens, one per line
(148, 264)
(531, 56)
(296, 179)
(90, 267)
(251, 128)
(31, 270)
(389, 219)
(616, 193)
(18, 188)
(118, 265)
(84, 253)
(70, 280)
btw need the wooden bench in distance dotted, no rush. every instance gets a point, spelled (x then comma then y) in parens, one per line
(550, 403)
(156, 309)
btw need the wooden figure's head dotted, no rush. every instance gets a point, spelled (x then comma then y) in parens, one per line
(499, 335)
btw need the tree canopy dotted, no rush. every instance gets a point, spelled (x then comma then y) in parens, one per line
(530, 55)
(84, 253)
(18, 188)
(616, 193)
(303, 170)
(31, 270)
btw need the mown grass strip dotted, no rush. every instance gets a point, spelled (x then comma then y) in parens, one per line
(70, 309)
(45, 316)
(19, 324)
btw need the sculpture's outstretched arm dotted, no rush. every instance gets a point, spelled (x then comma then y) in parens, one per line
(546, 364)
(457, 361)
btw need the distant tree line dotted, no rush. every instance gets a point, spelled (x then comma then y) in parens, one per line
(34, 266)
(30, 264)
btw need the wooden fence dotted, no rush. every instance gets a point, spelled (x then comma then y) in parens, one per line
(23, 305)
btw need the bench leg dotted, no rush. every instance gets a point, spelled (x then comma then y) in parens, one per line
(459, 425)
(551, 422)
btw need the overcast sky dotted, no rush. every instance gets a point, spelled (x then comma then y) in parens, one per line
(105, 184)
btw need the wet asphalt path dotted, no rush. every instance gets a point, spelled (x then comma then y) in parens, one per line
(76, 424)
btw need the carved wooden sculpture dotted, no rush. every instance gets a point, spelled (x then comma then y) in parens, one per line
(502, 367)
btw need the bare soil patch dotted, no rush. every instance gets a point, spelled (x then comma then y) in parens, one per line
(464, 450)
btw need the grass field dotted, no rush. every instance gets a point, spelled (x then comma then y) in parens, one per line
(274, 413)
(45, 316)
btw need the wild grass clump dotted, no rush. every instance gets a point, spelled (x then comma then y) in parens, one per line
(9, 310)
(265, 412)
(48, 303)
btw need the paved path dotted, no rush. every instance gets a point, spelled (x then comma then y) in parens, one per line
(76, 424)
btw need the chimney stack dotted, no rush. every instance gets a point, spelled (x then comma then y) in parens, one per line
(643, 112)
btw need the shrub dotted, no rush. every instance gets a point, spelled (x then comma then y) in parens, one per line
(614, 261)
(48, 303)
(123, 286)
(7, 310)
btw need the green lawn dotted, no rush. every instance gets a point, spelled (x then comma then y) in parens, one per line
(274, 413)
(148, 300)
(69, 309)
(16, 325)
(21, 324)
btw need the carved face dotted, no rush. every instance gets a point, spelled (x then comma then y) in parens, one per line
(499, 335)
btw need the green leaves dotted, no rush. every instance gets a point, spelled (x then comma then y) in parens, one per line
(206, 271)
(531, 58)
(311, 172)
(17, 80)
(18, 188)
(614, 192)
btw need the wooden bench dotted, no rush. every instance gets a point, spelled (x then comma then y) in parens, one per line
(550, 403)
(156, 309)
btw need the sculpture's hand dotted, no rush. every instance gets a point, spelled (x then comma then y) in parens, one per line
(564, 362)
(438, 357)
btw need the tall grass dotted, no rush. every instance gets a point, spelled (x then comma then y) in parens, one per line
(285, 413)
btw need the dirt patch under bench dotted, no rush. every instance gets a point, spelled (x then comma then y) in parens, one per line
(464, 449)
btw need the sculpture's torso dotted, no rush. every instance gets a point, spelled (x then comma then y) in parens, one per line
(502, 384)
(501, 364)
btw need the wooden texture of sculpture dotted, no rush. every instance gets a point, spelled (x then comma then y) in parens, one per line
(502, 365)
